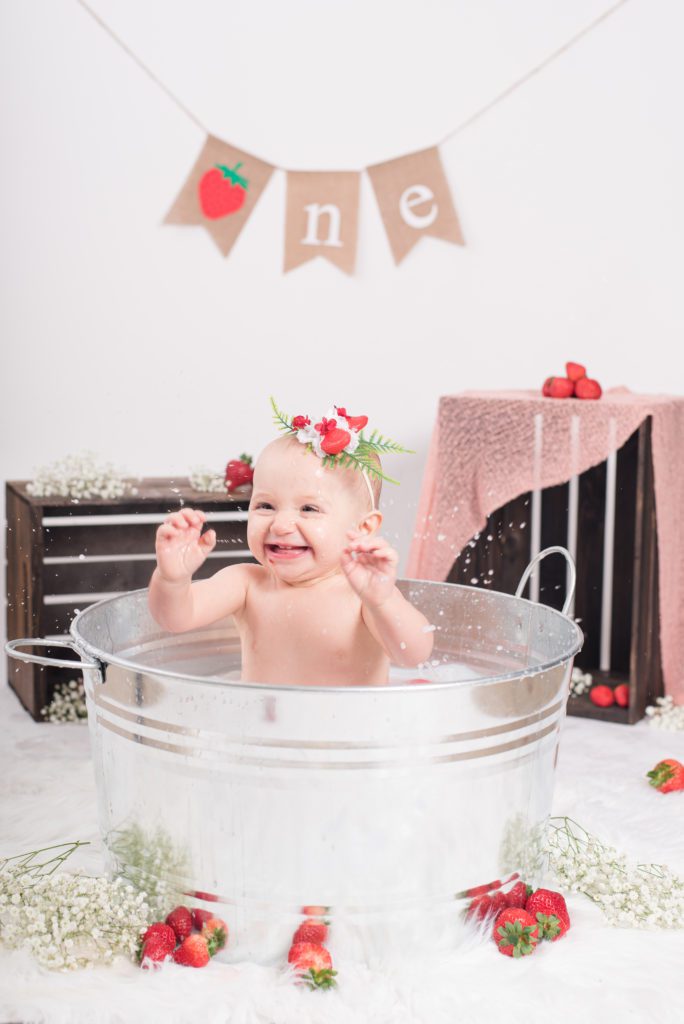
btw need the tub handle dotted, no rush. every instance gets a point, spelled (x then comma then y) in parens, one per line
(571, 566)
(12, 645)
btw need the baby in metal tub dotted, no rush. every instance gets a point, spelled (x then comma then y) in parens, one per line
(321, 607)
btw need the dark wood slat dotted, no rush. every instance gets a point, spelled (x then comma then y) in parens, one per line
(500, 562)
(129, 538)
(592, 502)
(94, 577)
(625, 540)
(554, 530)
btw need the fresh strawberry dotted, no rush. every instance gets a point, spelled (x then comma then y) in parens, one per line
(602, 696)
(156, 950)
(667, 776)
(315, 911)
(180, 920)
(486, 906)
(159, 928)
(215, 931)
(575, 371)
(199, 916)
(239, 472)
(311, 930)
(192, 952)
(621, 694)
(549, 909)
(558, 387)
(587, 388)
(516, 932)
(313, 964)
(517, 896)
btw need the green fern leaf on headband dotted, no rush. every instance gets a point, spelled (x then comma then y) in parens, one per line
(280, 418)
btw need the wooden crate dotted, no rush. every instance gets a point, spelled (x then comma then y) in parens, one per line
(63, 555)
(616, 606)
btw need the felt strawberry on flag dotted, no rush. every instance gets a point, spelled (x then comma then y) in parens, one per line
(222, 191)
(239, 472)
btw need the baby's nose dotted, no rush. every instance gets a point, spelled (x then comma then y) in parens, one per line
(283, 523)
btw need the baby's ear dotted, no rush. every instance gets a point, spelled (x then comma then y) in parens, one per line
(371, 522)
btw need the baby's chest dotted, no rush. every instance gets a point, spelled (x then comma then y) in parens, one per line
(326, 625)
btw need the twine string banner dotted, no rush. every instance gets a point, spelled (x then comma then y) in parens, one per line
(412, 190)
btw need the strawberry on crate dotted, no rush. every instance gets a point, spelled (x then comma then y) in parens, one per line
(313, 964)
(311, 930)
(193, 951)
(587, 388)
(602, 696)
(516, 932)
(575, 371)
(180, 919)
(667, 776)
(550, 911)
(558, 387)
(239, 472)
(621, 694)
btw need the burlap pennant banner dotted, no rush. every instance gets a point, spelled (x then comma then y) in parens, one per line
(414, 199)
(220, 192)
(321, 218)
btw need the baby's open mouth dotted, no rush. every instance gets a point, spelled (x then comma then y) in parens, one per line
(287, 550)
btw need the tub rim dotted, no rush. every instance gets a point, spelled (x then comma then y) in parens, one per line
(107, 659)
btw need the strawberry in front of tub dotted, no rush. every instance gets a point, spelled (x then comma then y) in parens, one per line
(667, 776)
(222, 191)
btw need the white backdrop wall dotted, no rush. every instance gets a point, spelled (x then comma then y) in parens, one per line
(143, 344)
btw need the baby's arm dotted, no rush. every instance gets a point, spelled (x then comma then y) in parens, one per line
(401, 630)
(175, 602)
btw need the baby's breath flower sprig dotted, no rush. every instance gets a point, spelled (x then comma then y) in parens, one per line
(68, 703)
(79, 477)
(67, 920)
(580, 682)
(665, 714)
(207, 480)
(629, 895)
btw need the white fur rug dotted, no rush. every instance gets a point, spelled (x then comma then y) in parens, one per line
(596, 972)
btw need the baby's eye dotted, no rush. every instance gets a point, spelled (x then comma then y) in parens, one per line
(263, 504)
(310, 508)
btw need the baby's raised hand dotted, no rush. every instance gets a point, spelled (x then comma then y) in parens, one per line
(180, 548)
(370, 565)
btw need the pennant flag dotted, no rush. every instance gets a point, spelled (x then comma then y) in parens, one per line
(221, 191)
(321, 218)
(414, 199)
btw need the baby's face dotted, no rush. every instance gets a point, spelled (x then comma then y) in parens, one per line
(300, 512)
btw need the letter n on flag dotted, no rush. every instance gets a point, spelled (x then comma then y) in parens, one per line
(414, 199)
(321, 218)
(220, 192)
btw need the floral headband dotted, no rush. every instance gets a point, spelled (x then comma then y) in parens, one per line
(338, 440)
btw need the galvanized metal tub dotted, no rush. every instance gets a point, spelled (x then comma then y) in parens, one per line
(385, 805)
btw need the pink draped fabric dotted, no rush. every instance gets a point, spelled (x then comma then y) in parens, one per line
(489, 447)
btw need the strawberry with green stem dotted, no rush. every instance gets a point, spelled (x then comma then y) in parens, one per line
(667, 776)
(222, 191)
